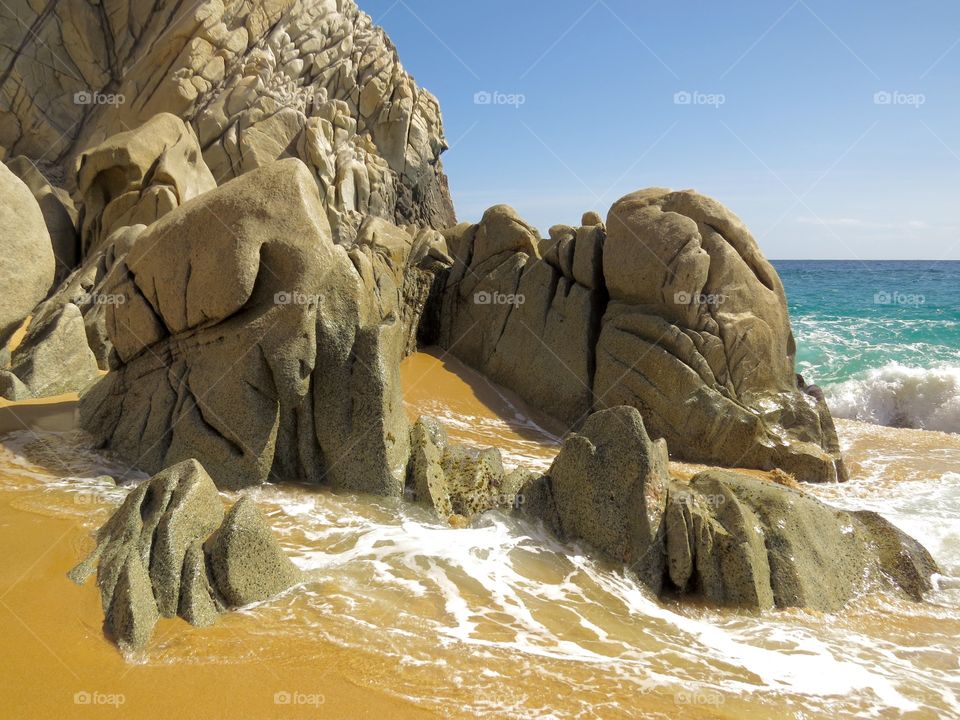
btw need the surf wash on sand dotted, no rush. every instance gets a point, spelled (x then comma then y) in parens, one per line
(280, 436)
(497, 615)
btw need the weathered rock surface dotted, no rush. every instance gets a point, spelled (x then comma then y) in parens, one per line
(454, 479)
(737, 540)
(150, 562)
(247, 339)
(59, 214)
(311, 79)
(728, 538)
(246, 561)
(608, 484)
(138, 176)
(54, 357)
(670, 307)
(27, 265)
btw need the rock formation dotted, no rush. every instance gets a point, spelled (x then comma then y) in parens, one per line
(727, 538)
(457, 480)
(26, 256)
(248, 340)
(670, 308)
(168, 550)
(313, 79)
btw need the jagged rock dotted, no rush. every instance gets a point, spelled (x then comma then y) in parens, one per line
(523, 321)
(608, 484)
(248, 340)
(198, 600)
(12, 388)
(669, 307)
(150, 560)
(132, 613)
(257, 82)
(138, 176)
(740, 541)
(458, 481)
(59, 214)
(246, 562)
(27, 265)
(54, 357)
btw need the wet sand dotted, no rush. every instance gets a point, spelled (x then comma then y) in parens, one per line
(404, 618)
(55, 650)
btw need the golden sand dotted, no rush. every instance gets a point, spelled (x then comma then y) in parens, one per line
(57, 658)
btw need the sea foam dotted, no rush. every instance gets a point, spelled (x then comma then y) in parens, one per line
(901, 396)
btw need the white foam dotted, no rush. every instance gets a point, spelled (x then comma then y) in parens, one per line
(901, 396)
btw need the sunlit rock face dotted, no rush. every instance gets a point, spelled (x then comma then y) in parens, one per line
(670, 307)
(313, 79)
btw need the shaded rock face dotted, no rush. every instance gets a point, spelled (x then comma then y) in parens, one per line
(27, 264)
(150, 561)
(313, 79)
(727, 538)
(670, 307)
(247, 339)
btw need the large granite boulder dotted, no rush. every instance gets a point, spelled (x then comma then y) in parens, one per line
(54, 357)
(609, 489)
(136, 177)
(247, 339)
(127, 182)
(740, 541)
(670, 307)
(27, 264)
(150, 562)
(256, 81)
(59, 213)
(726, 538)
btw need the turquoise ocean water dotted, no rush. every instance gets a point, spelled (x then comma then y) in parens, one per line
(881, 337)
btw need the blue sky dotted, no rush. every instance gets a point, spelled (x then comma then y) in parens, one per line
(831, 128)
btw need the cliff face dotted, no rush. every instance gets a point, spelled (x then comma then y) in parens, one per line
(313, 79)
